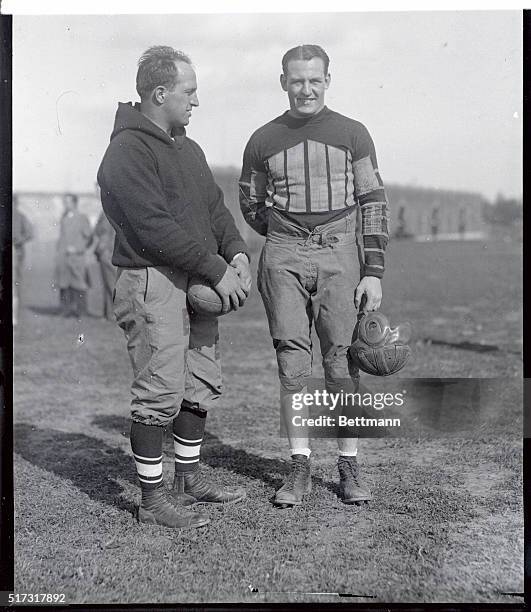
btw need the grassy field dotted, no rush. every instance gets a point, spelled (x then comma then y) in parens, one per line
(446, 522)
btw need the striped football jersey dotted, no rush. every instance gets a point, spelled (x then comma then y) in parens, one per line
(322, 164)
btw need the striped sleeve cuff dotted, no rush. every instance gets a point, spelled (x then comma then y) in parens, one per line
(374, 219)
(374, 254)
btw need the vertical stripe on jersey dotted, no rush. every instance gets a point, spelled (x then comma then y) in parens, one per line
(295, 170)
(338, 166)
(317, 177)
(307, 188)
(351, 198)
(276, 183)
(346, 179)
(311, 177)
(328, 180)
(286, 178)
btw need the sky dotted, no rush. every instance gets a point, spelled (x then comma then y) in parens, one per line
(440, 92)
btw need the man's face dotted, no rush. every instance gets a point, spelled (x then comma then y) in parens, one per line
(179, 101)
(305, 83)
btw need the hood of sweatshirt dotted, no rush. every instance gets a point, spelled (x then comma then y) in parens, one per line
(129, 117)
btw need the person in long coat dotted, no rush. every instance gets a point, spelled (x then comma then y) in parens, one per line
(71, 273)
(22, 233)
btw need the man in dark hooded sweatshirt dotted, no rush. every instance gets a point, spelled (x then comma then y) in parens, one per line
(171, 224)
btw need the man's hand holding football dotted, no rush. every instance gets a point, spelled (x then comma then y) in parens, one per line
(230, 290)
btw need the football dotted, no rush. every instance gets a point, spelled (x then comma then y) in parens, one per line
(203, 299)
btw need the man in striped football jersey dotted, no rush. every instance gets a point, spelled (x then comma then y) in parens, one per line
(305, 176)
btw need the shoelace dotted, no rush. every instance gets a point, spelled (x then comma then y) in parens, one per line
(160, 503)
(199, 485)
(298, 469)
(348, 468)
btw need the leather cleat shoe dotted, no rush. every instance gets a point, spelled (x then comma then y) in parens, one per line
(193, 484)
(157, 508)
(351, 489)
(297, 484)
(182, 499)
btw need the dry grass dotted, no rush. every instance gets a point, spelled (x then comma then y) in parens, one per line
(446, 522)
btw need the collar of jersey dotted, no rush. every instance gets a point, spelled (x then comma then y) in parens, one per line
(300, 121)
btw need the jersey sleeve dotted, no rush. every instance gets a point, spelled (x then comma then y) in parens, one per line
(253, 189)
(371, 197)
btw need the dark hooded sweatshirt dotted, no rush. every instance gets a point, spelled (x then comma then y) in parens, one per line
(160, 196)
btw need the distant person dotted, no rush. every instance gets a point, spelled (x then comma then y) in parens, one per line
(435, 223)
(461, 223)
(71, 272)
(22, 233)
(103, 241)
(401, 225)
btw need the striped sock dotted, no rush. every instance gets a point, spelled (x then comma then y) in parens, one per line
(146, 444)
(188, 431)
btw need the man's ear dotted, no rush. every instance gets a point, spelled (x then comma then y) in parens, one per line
(328, 78)
(284, 82)
(159, 93)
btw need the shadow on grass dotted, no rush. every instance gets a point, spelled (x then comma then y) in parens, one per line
(45, 310)
(216, 454)
(113, 422)
(90, 464)
(56, 311)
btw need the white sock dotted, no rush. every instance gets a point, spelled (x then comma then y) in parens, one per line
(300, 451)
(348, 453)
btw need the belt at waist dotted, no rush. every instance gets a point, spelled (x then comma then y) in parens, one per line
(328, 233)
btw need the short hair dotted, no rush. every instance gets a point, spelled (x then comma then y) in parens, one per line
(305, 52)
(157, 67)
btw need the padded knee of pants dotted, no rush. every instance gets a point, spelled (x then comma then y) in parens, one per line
(335, 364)
(294, 365)
(339, 375)
(293, 385)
